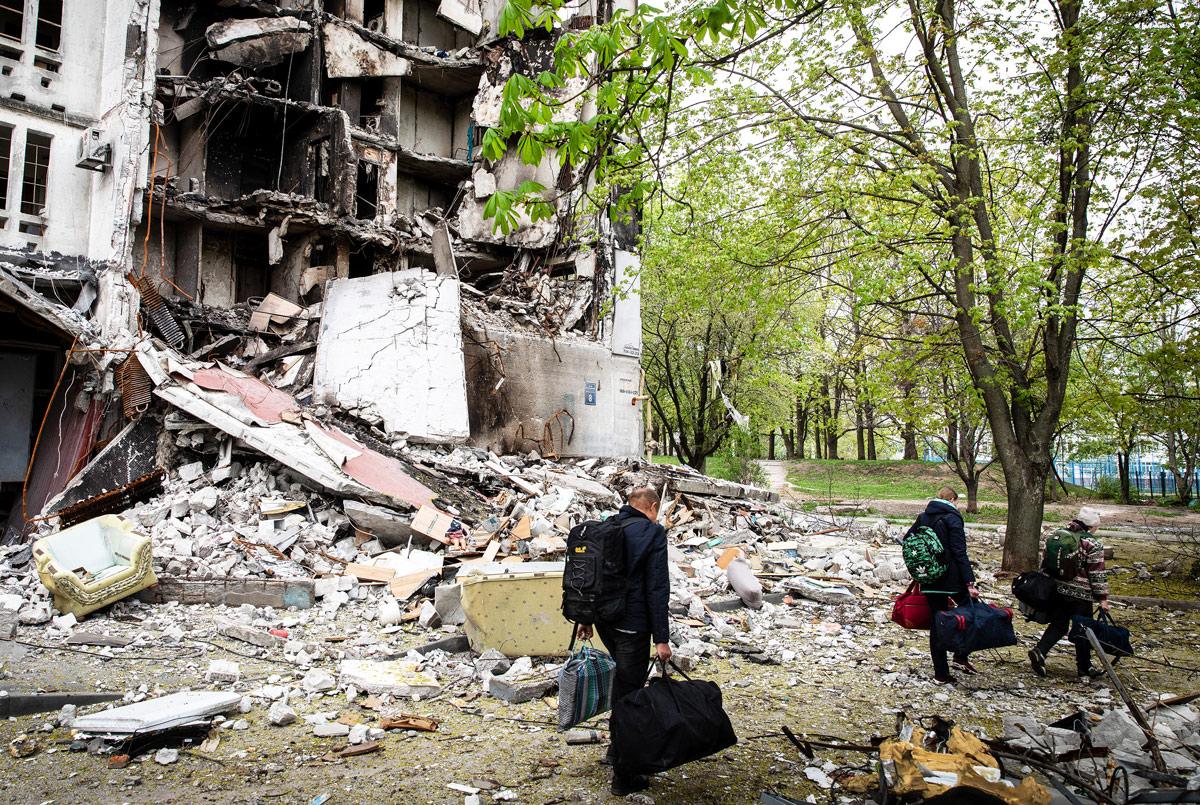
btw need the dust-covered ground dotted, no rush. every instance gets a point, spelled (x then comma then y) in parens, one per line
(841, 670)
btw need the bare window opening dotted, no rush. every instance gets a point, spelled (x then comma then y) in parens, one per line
(31, 228)
(253, 272)
(362, 264)
(318, 158)
(49, 24)
(373, 15)
(49, 65)
(9, 53)
(12, 18)
(371, 105)
(6, 133)
(366, 194)
(37, 169)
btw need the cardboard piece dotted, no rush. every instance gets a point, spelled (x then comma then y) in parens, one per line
(403, 587)
(274, 313)
(369, 572)
(433, 524)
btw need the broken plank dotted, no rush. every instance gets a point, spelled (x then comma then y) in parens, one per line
(369, 572)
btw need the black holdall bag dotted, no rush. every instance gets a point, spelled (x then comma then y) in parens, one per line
(1034, 592)
(595, 577)
(1113, 639)
(668, 723)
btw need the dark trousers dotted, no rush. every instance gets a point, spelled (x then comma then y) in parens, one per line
(938, 603)
(1060, 624)
(631, 653)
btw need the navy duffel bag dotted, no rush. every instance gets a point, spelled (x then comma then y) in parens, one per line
(1113, 639)
(974, 626)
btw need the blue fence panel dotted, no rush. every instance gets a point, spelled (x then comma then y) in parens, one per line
(1148, 478)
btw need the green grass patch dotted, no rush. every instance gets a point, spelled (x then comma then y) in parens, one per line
(885, 480)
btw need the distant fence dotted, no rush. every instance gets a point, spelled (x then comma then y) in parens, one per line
(1145, 477)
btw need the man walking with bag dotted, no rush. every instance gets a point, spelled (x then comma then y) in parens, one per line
(957, 586)
(644, 618)
(1074, 558)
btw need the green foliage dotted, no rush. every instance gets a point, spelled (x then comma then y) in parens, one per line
(1108, 487)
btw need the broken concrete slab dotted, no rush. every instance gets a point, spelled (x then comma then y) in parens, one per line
(703, 485)
(280, 714)
(231, 592)
(408, 322)
(816, 590)
(390, 527)
(259, 42)
(248, 634)
(348, 55)
(397, 677)
(160, 713)
(447, 600)
(464, 15)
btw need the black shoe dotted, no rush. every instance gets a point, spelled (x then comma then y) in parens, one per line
(1092, 673)
(624, 786)
(1038, 661)
(945, 680)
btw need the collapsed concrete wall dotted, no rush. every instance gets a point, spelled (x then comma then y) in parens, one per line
(390, 346)
(569, 397)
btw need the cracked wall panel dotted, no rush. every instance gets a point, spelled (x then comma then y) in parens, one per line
(542, 377)
(392, 343)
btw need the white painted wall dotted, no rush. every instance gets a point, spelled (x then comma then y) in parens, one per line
(393, 342)
(87, 212)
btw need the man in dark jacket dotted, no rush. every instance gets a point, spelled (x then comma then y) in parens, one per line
(645, 615)
(959, 582)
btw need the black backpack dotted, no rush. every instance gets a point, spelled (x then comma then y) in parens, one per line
(595, 578)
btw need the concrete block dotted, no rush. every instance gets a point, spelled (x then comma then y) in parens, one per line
(397, 677)
(447, 599)
(8, 624)
(318, 681)
(389, 527)
(1118, 729)
(280, 715)
(820, 591)
(223, 671)
(518, 689)
(331, 730)
(393, 342)
(251, 635)
(278, 593)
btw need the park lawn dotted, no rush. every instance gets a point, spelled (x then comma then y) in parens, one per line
(848, 480)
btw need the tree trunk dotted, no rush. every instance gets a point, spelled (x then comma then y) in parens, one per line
(1026, 503)
(831, 442)
(910, 442)
(771, 446)
(801, 427)
(972, 484)
(1123, 475)
(952, 440)
(859, 435)
(818, 440)
(789, 442)
(869, 413)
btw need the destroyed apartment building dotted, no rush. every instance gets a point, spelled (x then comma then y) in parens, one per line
(287, 198)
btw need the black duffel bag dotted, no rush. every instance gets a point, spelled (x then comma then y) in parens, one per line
(668, 723)
(1113, 639)
(1034, 592)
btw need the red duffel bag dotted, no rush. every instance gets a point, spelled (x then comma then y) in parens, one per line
(911, 609)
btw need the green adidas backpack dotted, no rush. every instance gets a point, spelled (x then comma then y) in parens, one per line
(922, 550)
(1063, 556)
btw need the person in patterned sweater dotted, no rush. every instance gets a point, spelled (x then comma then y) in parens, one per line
(1075, 595)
